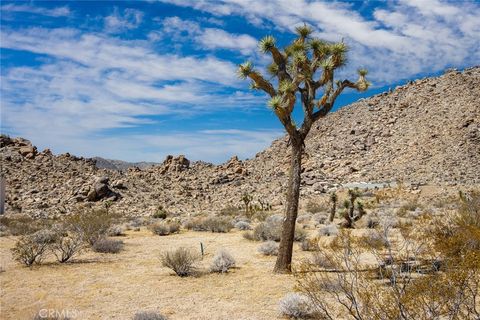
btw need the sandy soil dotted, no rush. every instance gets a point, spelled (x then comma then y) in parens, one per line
(106, 286)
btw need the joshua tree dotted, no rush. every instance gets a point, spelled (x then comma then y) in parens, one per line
(247, 198)
(304, 68)
(349, 215)
(333, 199)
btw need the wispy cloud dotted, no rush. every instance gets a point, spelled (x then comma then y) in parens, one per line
(182, 31)
(401, 40)
(26, 8)
(120, 21)
(112, 84)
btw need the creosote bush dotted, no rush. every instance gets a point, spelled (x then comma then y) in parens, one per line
(269, 248)
(426, 270)
(222, 262)
(105, 245)
(149, 315)
(92, 224)
(182, 261)
(211, 223)
(165, 228)
(31, 249)
(296, 306)
(67, 244)
(271, 229)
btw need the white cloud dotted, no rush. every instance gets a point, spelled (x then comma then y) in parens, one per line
(213, 38)
(26, 8)
(70, 99)
(180, 30)
(118, 22)
(401, 40)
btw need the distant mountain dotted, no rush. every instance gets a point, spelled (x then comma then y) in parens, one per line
(120, 165)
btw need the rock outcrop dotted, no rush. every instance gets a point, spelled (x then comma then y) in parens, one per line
(425, 132)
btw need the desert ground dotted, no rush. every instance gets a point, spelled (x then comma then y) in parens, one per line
(115, 286)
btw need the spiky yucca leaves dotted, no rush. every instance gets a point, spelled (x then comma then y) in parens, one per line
(266, 44)
(272, 69)
(286, 86)
(362, 83)
(245, 69)
(275, 102)
(303, 31)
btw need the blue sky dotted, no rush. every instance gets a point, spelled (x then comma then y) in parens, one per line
(137, 80)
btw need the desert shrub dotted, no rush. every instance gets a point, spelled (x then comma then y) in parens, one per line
(316, 207)
(161, 213)
(320, 218)
(328, 230)
(296, 306)
(243, 225)
(116, 231)
(322, 260)
(230, 211)
(304, 218)
(149, 315)
(408, 206)
(248, 235)
(267, 231)
(182, 261)
(23, 225)
(92, 224)
(427, 270)
(164, 229)
(3, 230)
(372, 223)
(105, 245)
(66, 246)
(47, 236)
(269, 248)
(30, 249)
(309, 244)
(300, 234)
(271, 229)
(218, 224)
(212, 223)
(222, 262)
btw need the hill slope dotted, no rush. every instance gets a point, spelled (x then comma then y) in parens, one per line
(426, 132)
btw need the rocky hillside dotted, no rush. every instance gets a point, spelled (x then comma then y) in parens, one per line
(425, 132)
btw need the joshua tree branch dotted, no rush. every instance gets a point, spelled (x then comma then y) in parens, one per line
(261, 83)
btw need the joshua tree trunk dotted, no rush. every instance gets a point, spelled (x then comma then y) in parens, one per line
(284, 259)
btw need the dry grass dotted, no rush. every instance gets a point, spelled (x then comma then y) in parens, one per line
(117, 286)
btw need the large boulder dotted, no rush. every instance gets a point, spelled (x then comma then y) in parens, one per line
(101, 190)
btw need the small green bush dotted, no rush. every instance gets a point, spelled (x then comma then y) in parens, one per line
(92, 224)
(161, 213)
